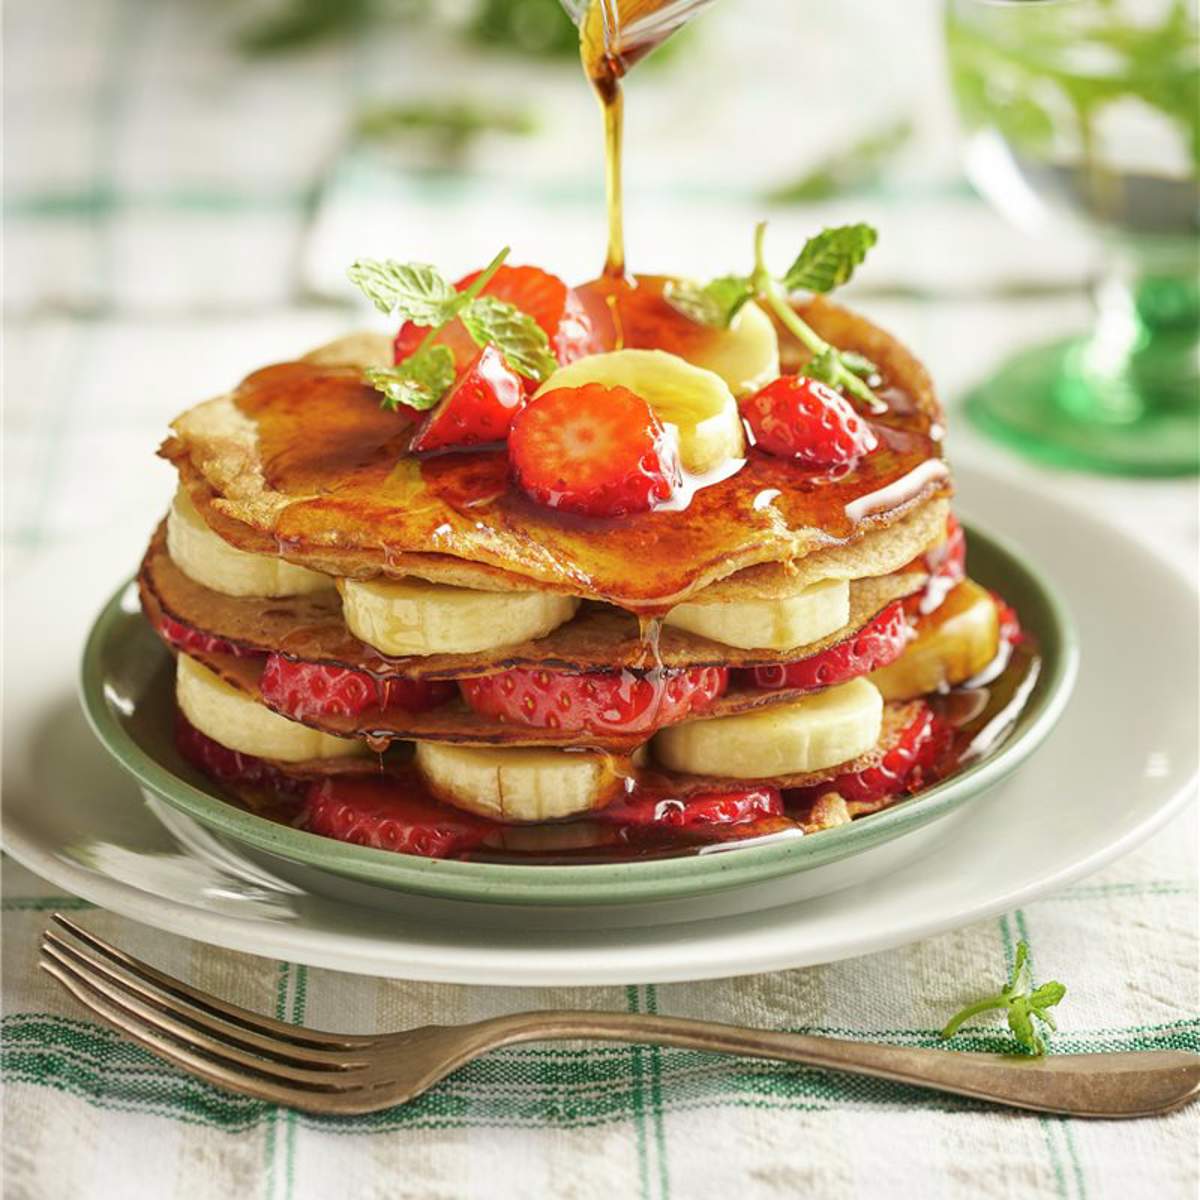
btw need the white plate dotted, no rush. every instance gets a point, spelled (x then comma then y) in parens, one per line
(1120, 763)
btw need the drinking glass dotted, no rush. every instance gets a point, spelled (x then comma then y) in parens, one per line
(1089, 111)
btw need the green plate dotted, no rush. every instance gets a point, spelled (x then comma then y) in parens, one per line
(127, 696)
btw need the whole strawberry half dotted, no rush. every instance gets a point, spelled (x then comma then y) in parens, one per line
(804, 419)
(391, 813)
(593, 450)
(300, 690)
(478, 409)
(879, 642)
(595, 701)
(544, 297)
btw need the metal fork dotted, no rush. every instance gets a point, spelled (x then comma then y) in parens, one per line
(320, 1072)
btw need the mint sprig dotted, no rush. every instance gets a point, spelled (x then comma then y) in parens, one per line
(417, 292)
(419, 382)
(826, 261)
(1022, 1003)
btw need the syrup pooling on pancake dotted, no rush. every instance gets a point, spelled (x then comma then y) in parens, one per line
(308, 456)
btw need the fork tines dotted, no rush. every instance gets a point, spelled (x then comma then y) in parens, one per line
(229, 1046)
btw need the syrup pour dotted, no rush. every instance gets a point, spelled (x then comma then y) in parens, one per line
(613, 36)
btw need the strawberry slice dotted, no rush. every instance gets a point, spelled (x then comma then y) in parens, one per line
(595, 701)
(391, 813)
(231, 766)
(801, 418)
(593, 450)
(900, 770)
(544, 297)
(478, 409)
(1010, 623)
(879, 642)
(735, 807)
(946, 564)
(191, 640)
(301, 690)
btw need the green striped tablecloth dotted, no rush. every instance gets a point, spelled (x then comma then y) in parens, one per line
(159, 200)
(90, 1115)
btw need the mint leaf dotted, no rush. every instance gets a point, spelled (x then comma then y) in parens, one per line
(1022, 1028)
(714, 304)
(828, 259)
(1020, 1001)
(419, 382)
(824, 366)
(414, 291)
(515, 334)
(859, 364)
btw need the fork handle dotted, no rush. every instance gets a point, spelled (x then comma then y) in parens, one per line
(1124, 1084)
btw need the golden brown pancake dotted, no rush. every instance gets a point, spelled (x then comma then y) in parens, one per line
(302, 454)
(599, 637)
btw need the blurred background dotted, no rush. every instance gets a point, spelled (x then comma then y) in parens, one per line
(185, 183)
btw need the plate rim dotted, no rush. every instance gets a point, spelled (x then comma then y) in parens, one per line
(604, 884)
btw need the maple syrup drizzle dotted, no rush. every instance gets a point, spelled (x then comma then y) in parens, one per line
(613, 35)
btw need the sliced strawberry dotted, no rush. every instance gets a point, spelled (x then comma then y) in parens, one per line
(478, 409)
(391, 813)
(593, 450)
(733, 807)
(879, 642)
(300, 690)
(231, 766)
(191, 640)
(900, 770)
(553, 305)
(1010, 623)
(595, 701)
(801, 418)
(946, 564)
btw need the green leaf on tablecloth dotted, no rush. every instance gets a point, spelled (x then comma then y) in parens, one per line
(1021, 1003)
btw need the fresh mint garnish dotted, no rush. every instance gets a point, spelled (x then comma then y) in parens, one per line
(417, 292)
(826, 261)
(519, 337)
(419, 382)
(413, 291)
(1022, 1003)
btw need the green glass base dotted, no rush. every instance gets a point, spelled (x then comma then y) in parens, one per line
(1047, 404)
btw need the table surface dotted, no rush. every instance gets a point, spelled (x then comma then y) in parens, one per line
(175, 218)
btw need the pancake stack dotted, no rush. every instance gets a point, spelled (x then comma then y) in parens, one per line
(407, 650)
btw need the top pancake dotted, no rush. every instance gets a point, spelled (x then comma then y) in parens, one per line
(301, 460)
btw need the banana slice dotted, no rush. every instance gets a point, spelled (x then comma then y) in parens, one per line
(778, 624)
(809, 734)
(696, 402)
(210, 560)
(955, 641)
(235, 720)
(746, 355)
(411, 616)
(526, 784)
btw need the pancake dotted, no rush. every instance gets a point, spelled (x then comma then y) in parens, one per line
(396, 761)
(875, 552)
(302, 454)
(599, 637)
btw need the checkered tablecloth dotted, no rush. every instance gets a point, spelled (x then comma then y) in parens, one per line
(175, 217)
